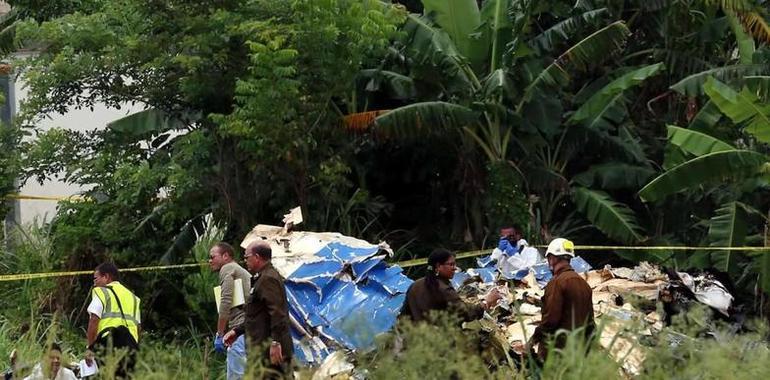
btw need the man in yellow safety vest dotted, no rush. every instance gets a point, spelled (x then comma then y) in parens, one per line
(115, 317)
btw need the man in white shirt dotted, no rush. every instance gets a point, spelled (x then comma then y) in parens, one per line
(50, 368)
(114, 318)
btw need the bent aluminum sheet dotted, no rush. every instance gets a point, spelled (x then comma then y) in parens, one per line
(341, 293)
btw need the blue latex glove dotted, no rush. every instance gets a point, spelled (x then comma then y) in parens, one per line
(505, 246)
(219, 345)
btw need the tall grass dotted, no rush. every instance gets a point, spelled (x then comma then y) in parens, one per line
(694, 347)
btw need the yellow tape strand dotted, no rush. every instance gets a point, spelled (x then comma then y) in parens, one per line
(43, 197)
(403, 264)
(31, 276)
(465, 255)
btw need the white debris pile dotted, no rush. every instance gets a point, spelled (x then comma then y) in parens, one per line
(615, 292)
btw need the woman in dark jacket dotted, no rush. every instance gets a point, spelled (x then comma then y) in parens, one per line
(435, 292)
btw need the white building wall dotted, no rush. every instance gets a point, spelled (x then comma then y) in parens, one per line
(79, 120)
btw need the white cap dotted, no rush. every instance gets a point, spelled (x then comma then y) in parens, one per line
(561, 247)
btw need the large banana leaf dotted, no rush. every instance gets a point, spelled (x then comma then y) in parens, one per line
(428, 44)
(615, 175)
(673, 156)
(706, 118)
(614, 219)
(760, 85)
(741, 107)
(400, 86)
(420, 119)
(497, 83)
(495, 21)
(566, 29)
(460, 19)
(694, 142)
(185, 239)
(606, 108)
(591, 50)
(745, 42)
(625, 145)
(734, 74)
(709, 168)
(150, 120)
(727, 228)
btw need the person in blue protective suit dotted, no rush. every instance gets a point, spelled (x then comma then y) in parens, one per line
(435, 292)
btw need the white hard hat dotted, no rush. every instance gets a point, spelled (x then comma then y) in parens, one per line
(561, 247)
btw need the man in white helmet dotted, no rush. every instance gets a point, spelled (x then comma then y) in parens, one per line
(567, 303)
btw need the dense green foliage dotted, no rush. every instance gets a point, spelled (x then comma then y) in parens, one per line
(639, 122)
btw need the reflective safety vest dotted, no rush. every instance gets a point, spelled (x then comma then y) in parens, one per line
(111, 316)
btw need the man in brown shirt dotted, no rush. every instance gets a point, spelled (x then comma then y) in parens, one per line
(567, 303)
(267, 313)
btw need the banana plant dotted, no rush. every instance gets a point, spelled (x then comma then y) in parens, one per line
(715, 161)
(475, 78)
(476, 97)
(709, 162)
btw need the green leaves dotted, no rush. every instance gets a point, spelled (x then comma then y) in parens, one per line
(596, 47)
(566, 29)
(459, 19)
(614, 219)
(694, 142)
(419, 119)
(150, 120)
(428, 44)
(399, 86)
(727, 228)
(709, 168)
(742, 108)
(693, 84)
(589, 51)
(606, 108)
(494, 17)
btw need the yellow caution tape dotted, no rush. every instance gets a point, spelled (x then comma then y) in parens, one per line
(465, 255)
(30, 276)
(43, 197)
(403, 264)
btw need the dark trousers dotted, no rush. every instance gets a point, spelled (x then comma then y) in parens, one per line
(107, 344)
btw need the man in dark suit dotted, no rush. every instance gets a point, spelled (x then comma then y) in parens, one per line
(267, 313)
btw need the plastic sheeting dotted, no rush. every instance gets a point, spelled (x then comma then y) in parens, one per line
(347, 297)
(515, 266)
(708, 291)
(341, 293)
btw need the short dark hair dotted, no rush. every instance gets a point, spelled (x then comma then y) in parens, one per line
(225, 248)
(54, 346)
(263, 250)
(109, 269)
